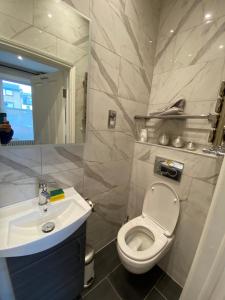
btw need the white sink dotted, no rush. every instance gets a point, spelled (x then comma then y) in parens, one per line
(21, 224)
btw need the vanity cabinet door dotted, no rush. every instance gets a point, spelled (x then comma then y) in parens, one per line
(55, 274)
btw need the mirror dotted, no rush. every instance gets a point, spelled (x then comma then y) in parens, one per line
(43, 72)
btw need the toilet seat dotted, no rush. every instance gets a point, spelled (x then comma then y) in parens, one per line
(151, 229)
(143, 241)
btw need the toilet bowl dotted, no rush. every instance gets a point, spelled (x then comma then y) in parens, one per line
(143, 241)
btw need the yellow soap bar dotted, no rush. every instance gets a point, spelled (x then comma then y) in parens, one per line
(57, 197)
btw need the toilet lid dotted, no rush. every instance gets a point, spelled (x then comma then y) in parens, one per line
(162, 205)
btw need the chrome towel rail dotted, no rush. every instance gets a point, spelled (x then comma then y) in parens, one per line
(209, 117)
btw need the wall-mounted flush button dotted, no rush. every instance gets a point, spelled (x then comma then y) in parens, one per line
(112, 119)
(168, 168)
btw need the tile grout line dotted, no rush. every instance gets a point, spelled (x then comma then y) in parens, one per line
(149, 292)
(154, 287)
(113, 270)
(97, 284)
(102, 248)
(114, 289)
(161, 293)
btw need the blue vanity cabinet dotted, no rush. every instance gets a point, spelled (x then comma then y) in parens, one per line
(56, 273)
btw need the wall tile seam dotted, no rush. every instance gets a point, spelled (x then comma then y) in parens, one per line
(142, 66)
(134, 64)
(122, 15)
(57, 38)
(115, 133)
(189, 66)
(99, 194)
(104, 47)
(96, 194)
(118, 96)
(156, 146)
(92, 162)
(61, 171)
(185, 160)
(16, 18)
(105, 162)
(165, 37)
(110, 130)
(114, 143)
(21, 178)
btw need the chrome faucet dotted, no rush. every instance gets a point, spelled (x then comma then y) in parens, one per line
(44, 196)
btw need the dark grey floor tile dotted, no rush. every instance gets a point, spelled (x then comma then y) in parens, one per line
(136, 287)
(169, 288)
(154, 295)
(103, 291)
(105, 261)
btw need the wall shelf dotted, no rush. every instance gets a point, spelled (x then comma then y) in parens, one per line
(196, 152)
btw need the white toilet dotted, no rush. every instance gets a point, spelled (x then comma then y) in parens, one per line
(143, 241)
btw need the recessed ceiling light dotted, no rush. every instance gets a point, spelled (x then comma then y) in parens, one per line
(20, 57)
(221, 46)
(50, 15)
(171, 31)
(189, 54)
(150, 41)
(208, 16)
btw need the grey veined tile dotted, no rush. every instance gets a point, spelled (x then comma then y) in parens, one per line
(19, 162)
(134, 83)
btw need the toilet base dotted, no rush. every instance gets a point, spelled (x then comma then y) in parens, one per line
(141, 267)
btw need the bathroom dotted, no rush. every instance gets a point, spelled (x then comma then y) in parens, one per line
(121, 60)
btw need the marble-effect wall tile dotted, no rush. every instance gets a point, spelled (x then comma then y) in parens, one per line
(133, 82)
(20, 170)
(126, 110)
(189, 61)
(21, 10)
(81, 6)
(60, 21)
(122, 66)
(105, 69)
(37, 39)
(10, 26)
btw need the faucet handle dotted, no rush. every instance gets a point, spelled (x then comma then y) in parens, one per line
(43, 186)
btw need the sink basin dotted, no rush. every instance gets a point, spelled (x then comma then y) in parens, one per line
(21, 224)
